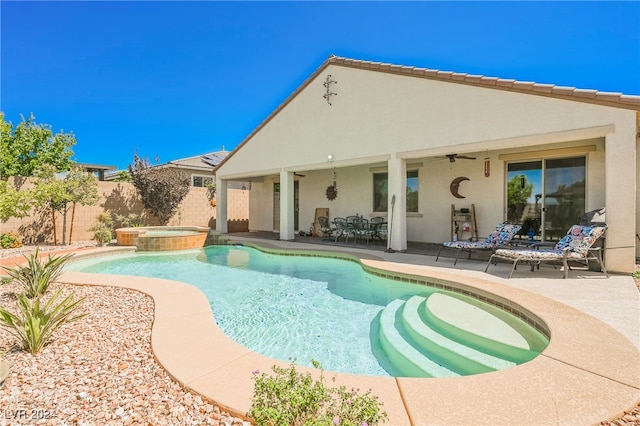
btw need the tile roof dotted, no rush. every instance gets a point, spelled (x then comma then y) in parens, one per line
(204, 161)
(613, 99)
(605, 98)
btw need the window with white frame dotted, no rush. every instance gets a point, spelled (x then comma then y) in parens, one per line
(201, 181)
(381, 190)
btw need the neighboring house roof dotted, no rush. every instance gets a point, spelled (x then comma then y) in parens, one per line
(100, 169)
(204, 162)
(214, 158)
(95, 167)
(617, 100)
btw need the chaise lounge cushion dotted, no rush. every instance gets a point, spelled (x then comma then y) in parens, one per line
(575, 245)
(501, 236)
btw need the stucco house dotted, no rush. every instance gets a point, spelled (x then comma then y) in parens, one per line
(386, 133)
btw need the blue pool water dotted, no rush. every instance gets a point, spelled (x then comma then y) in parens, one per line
(284, 307)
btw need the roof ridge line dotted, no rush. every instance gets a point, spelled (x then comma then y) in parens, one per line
(483, 80)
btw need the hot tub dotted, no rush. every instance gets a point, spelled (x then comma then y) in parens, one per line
(163, 238)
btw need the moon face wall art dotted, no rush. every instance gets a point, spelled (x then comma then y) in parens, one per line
(455, 186)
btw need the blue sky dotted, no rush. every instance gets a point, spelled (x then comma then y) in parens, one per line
(175, 79)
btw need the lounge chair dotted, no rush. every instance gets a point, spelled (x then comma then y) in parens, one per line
(500, 237)
(577, 245)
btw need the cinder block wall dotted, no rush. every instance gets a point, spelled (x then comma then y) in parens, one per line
(121, 198)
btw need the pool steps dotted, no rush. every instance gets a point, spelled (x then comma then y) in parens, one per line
(461, 338)
(405, 356)
(488, 329)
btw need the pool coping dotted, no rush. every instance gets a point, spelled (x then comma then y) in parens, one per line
(588, 373)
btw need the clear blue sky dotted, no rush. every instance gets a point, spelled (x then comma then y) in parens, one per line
(175, 79)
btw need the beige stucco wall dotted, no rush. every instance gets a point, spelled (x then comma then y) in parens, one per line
(375, 114)
(431, 222)
(120, 198)
(378, 116)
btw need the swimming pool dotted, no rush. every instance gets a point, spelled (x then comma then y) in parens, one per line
(333, 311)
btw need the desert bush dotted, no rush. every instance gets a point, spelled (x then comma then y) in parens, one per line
(296, 399)
(102, 228)
(36, 322)
(36, 275)
(161, 189)
(129, 220)
(10, 240)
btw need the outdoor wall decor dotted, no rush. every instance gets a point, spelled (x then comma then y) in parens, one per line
(328, 93)
(332, 190)
(487, 166)
(455, 186)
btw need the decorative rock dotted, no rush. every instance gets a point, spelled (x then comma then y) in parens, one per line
(100, 370)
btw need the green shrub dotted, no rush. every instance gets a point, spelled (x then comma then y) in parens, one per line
(102, 236)
(35, 323)
(36, 276)
(10, 240)
(126, 221)
(102, 229)
(295, 399)
(636, 273)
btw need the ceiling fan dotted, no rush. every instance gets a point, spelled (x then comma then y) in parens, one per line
(452, 157)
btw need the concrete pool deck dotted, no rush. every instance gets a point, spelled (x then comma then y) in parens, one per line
(589, 372)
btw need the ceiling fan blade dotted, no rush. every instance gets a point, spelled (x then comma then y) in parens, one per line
(452, 157)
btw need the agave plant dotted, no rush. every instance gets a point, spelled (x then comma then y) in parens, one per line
(36, 322)
(36, 275)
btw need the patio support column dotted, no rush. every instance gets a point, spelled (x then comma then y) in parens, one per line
(221, 206)
(286, 206)
(397, 185)
(620, 197)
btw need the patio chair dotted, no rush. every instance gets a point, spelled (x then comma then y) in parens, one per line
(342, 229)
(576, 245)
(379, 226)
(363, 229)
(325, 228)
(500, 237)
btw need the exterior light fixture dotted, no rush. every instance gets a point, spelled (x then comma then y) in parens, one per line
(330, 157)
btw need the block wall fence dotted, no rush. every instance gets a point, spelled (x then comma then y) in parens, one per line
(121, 198)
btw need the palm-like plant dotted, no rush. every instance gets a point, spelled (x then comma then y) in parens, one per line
(35, 323)
(36, 275)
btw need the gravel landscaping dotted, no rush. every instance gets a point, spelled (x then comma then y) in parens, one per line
(99, 370)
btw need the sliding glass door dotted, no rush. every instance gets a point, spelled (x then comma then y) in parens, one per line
(546, 196)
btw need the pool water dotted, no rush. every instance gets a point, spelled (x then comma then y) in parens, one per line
(295, 307)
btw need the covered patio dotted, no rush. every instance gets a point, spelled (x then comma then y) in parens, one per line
(412, 144)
